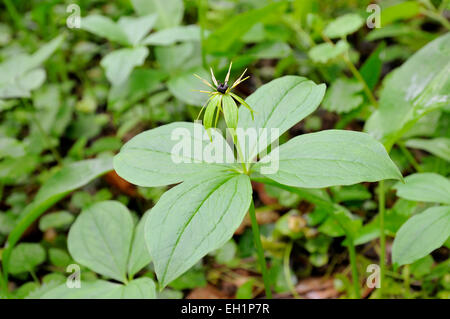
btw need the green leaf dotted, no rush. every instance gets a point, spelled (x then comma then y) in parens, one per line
(16, 170)
(344, 25)
(25, 257)
(193, 219)
(400, 11)
(23, 291)
(139, 85)
(46, 286)
(226, 254)
(182, 60)
(422, 266)
(59, 257)
(55, 188)
(230, 111)
(245, 291)
(328, 158)
(425, 187)
(342, 96)
(395, 217)
(142, 288)
(55, 220)
(10, 147)
(268, 50)
(439, 146)
(278, 105)
(393, 30)
(166, 155)
(119, 63)
(21, 74)
(139, 256)
(347, 221)
(127, 31)
(101, 237)
(371, 69)
(30, 81)
(410, 91)
(191, 279)
(173, 35)
(41, 55)
(350, 193)
(98, 289)
(324, 52)
(72, 177)
(104, 144)
(222, 39)
(105, 27)
(169, 12)
(421, 234)
(136, 28)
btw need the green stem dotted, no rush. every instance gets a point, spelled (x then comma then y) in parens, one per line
(352, 256)
(359, 77)
(259, 250)
(33, 275)
(130, 278)
(409, 157)
(287, 270)
(355, 276)
(3, 284)
(406, 275)
(381, 209)
(239, 150)
(355, 73)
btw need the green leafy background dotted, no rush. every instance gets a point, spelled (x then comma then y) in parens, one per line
(86, 175)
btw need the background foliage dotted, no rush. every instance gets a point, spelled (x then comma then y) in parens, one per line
(70, 98)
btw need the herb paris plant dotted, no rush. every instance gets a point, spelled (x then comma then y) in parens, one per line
(201, 214)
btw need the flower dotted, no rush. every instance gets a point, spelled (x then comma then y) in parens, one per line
(221, 99)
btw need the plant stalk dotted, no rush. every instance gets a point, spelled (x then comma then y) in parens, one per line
(410, 157)
(35, 278)
(259, 250)
(3, 284)
(406, 275)
(239, 151)
(381, 211)
(287, 270)
(359, 77)
(355, 73)
(355, 276)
